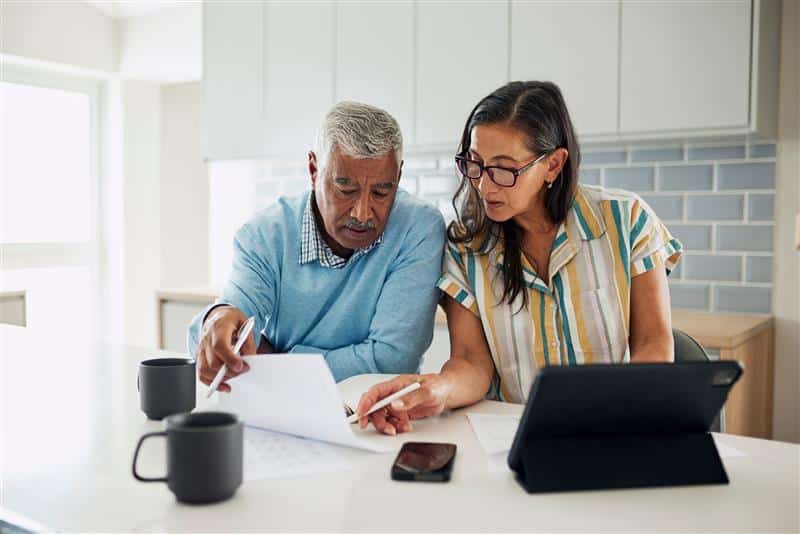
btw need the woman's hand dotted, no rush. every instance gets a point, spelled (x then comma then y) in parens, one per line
(429, 399)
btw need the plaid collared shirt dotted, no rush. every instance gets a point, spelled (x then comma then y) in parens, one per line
(314, 248)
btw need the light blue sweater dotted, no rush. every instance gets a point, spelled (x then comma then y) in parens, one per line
(374, 315)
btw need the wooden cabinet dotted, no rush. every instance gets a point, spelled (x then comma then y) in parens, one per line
(747, 339)
(462, 55)
(584, 63)
(233, 77)
(375, 60)
(685, 66)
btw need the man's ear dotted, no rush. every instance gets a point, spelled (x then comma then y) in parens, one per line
(312, 167)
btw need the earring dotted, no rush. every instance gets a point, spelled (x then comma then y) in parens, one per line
(549, 185)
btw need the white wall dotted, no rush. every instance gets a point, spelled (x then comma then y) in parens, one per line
(166, 46)
(72, 33)
(184, 189)
(786, 303)
(141, 194)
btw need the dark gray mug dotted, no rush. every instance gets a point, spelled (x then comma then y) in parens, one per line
(204, 456)
(167, 386)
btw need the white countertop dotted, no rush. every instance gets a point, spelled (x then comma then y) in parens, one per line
(71, 420)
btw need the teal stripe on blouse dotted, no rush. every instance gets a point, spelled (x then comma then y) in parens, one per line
(637, 228)
(623, 250)
(565, 319)
(544, 330)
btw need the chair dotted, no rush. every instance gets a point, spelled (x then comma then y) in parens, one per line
(687, 349)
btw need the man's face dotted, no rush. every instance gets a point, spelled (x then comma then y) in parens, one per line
(354, 197)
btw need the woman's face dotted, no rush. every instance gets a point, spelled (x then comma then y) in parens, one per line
(503, 145)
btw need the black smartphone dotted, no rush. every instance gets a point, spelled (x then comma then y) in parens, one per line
(428, 462)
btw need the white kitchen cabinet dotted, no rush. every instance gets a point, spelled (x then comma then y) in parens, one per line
(584, 63)
(685, 66)
(462, 56)
(298, 86)
(233, 88)
(375, 58)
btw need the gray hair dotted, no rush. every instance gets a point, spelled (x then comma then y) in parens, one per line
(360, 131)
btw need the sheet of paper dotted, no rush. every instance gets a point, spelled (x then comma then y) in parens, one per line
(273, 455)
(726, 451)
(295, 394)
(494, 432)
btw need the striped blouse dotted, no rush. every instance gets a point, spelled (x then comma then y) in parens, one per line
(581, 315)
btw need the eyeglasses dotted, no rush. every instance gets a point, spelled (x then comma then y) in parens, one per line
(502, 176)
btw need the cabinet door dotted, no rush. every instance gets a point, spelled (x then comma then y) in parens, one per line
(684, 65)
(375, 58)
(299, 75)
(584, 64)
(233, 79)
(462, 56)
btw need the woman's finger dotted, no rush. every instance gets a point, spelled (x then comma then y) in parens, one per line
(380, 423)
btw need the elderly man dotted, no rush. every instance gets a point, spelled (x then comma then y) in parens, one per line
(348, 270)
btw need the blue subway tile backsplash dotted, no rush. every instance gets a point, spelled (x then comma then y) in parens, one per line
(743, 299)
(687, 178)
(604, 157)
(756, 175)
(745, 237)
(761, 207)
(693, 236)
(718, 200)
(657, 154)
(630, 178)
(759, 269)
(712, 267)
(710, 153)
(715, 208)
(667, 207)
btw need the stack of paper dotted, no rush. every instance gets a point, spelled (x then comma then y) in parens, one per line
(296, 394)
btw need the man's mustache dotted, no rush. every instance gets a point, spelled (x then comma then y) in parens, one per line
(355, 224)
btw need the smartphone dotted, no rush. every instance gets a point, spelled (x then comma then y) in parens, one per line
(428, 462)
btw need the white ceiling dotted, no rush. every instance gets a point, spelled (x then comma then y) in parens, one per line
(122, 9)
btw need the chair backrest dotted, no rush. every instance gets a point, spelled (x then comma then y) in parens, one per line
(687, 349)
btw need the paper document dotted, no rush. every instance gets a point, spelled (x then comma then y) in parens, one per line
(273, 455)
(494, 432)
(295, 394)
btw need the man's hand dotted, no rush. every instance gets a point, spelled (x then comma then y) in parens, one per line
(216, 346)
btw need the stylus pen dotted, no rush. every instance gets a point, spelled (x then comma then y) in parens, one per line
(244, 332)
(385, 402)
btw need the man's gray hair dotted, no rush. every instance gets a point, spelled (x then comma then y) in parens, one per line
(359, 131)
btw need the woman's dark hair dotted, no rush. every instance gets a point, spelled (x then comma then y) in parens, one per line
(537, 109)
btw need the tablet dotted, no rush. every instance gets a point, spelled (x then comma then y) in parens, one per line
(623, 399)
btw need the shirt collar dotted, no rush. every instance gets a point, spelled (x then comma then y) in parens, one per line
(583, 223)
(314, 248)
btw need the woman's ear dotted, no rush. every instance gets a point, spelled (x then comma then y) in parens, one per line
(555, 163)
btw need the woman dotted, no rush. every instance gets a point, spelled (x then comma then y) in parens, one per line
(538, 270)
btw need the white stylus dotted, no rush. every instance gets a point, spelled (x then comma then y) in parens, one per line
(387, 401)
(241, 337)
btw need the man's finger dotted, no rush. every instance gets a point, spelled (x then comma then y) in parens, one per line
(223, 351)
(249, 346)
